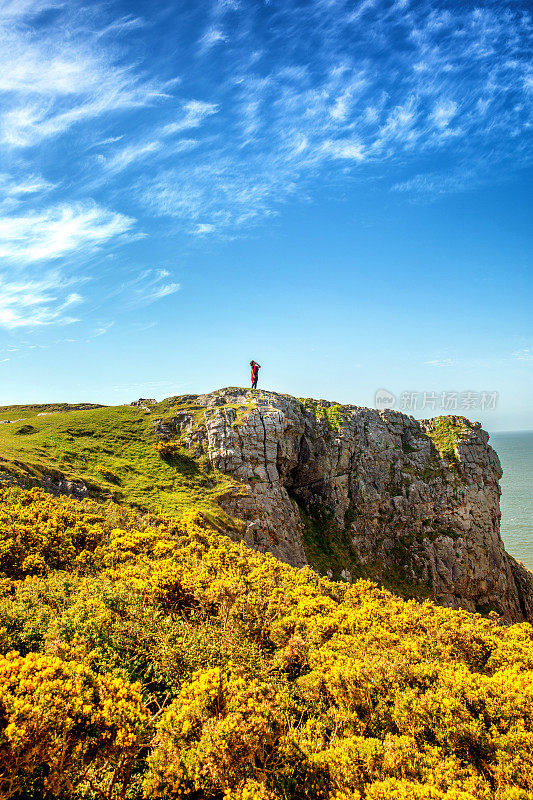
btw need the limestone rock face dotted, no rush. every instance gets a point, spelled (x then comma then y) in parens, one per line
(373, 491)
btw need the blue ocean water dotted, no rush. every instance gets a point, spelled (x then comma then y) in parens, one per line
(516, 455)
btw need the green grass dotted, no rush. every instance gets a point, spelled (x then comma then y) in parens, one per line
(30, 411)
(112, 450)
(330, 415)
(445, 435)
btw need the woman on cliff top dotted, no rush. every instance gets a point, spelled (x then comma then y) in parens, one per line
(255, 373)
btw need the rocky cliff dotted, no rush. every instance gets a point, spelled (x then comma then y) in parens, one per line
(359, 492)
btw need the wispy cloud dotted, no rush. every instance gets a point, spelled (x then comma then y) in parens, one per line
(440, 362)
(413, 81)
(344, 148)
(432, 185)
(21, 186)
(58, 231)
(152, 151)
(11, 10)
(146, 287)
(215, 198)
(211, 37)
(525, 354)
(373, 86)
(55, 77)
(243, 107)
(35, 303)
(131, 154)
(194, 113)
(204, 228)
(101, 330)
(444, 113)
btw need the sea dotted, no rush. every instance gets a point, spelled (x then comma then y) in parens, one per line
(516, 455)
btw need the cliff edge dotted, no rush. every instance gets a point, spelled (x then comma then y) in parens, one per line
(359, 492)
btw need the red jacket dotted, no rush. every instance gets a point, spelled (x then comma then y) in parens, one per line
(255, 371)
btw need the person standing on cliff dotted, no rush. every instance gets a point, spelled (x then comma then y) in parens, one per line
(255, 367)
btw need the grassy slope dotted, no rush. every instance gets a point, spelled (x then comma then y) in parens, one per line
(29, 412)
(120, 441)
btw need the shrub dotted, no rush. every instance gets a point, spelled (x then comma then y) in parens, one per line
(221, 734)
(61, 725)
(39, 532)
(167, 448)
(174, 659)
(106, 473)
(446, 432)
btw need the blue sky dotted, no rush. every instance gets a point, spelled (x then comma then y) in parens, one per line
(340, 190)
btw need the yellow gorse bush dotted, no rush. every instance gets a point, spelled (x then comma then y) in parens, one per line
(167, 448)
(40, 532)
(160, 659)
(218, 735)
(82, 726)
(106, 473)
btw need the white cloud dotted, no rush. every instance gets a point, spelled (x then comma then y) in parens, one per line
(362, 7)
(212, 37)
(28, 184)
(17, 9)
(525, 354)
(433, 184)
(162, 291)
(130, 154)
(27, 124)
(440, 362)
(353, 101)
(342, 108)
(400, 127)
(101, 330)
(147, 287)
(443, 113)
(377, 83)
(35, 303)
(339, 110)
(196, 111)
(61, 77)
(218, 195)
(352, 150)
(36, 68)
(136, 154)
(58, 231)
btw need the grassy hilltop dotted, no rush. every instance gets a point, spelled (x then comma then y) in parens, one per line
(111, 449)
(145, 655)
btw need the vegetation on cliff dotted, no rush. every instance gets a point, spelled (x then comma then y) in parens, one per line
(111, 450)
(445, 433)
(144, 657)
(329, 414)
